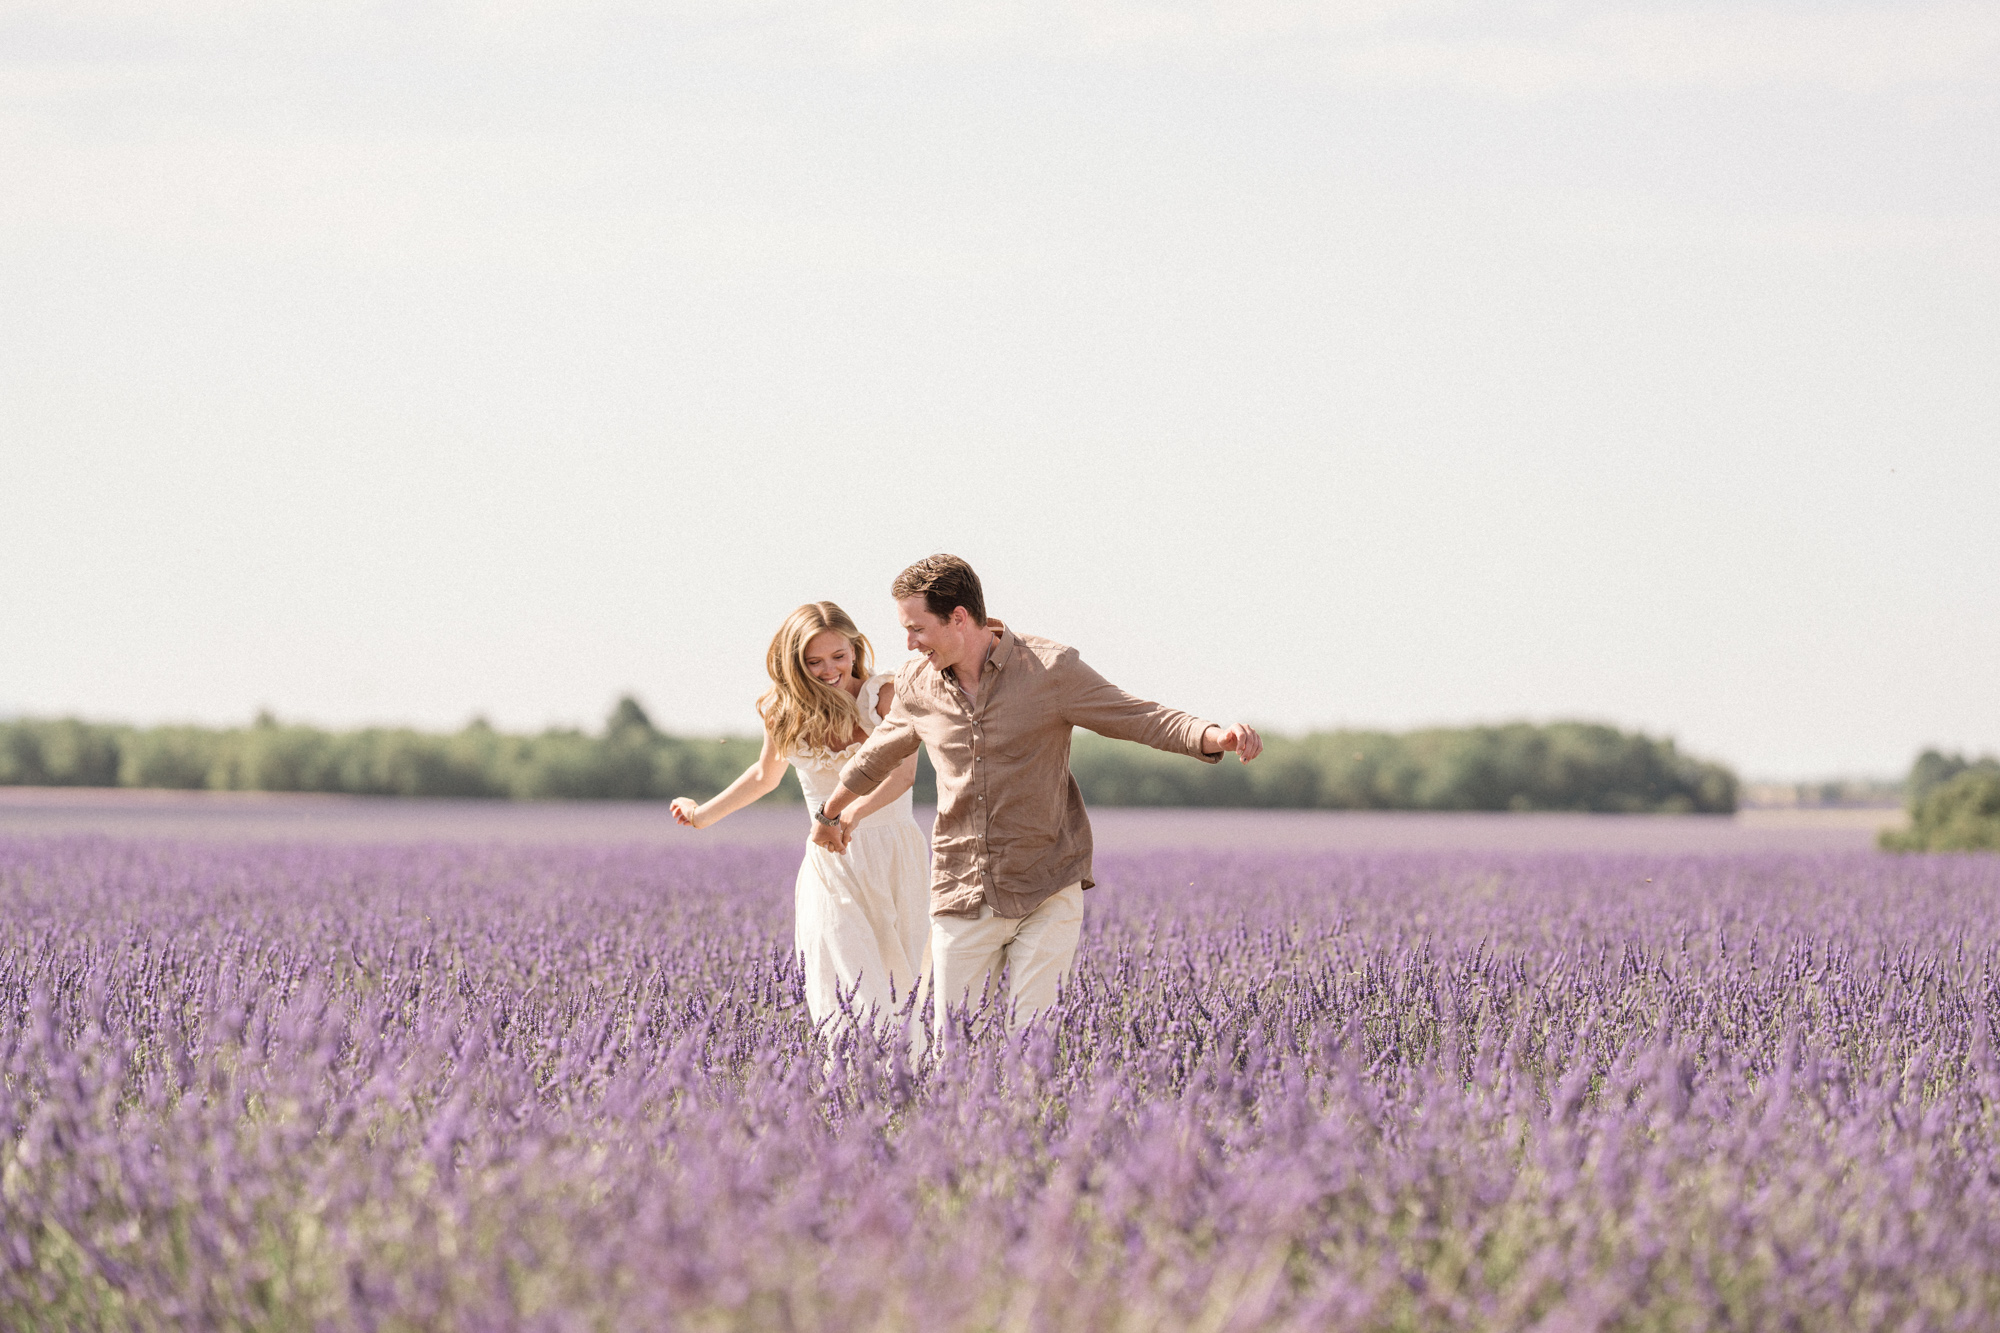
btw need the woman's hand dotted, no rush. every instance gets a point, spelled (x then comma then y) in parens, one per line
(834, 837)
(685, 810)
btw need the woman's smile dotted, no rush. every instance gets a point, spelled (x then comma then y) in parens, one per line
(829, 659)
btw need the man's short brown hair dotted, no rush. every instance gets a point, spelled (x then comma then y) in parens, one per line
(943, 581)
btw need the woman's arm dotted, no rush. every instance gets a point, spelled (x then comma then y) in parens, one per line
(893, 742)
(900, 780)
(757, 781)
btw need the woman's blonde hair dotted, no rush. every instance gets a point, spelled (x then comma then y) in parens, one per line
(800, 711)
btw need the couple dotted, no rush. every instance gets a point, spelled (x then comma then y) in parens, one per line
(1011, 846)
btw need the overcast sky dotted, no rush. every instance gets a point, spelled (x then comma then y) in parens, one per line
(1365, 363)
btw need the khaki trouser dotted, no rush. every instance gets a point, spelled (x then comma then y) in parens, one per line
(1038, 949)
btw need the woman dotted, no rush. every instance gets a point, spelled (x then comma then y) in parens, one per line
(863, 918)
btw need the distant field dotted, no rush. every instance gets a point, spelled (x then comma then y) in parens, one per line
(315, 817)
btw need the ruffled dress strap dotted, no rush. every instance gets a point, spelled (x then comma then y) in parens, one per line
(871, 690)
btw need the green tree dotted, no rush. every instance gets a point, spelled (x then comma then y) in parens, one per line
(1962, 814)
(63, 752)
(1933, 769)
(628, 718)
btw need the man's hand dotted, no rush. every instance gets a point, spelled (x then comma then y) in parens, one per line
(1241, 738)
(845, 807)
(833, 837)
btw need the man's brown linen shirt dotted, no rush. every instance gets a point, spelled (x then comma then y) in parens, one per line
(1010, 829)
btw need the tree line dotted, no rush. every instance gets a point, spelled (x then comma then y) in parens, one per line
(1579, 766)
(1557, 766)
(629, 759)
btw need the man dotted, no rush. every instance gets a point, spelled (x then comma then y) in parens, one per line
(1011, 847)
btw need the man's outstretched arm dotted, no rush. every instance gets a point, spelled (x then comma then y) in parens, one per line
(1095, 704)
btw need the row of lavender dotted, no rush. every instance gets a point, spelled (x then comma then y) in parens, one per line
(443, 1087)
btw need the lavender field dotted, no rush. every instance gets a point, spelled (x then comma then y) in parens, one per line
(333, 1083)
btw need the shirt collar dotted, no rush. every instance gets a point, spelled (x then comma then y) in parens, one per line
(1003, 644)
(996, 656)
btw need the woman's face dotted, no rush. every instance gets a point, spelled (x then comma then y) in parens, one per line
(830, 658)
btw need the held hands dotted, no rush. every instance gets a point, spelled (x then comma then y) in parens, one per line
(1241, 738)
(834, 837)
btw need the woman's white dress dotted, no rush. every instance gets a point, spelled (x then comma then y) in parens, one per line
(864, 924)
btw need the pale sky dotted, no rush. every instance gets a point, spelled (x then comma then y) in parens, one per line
(1312, 364)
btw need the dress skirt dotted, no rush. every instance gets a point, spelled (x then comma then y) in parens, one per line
(864, 920)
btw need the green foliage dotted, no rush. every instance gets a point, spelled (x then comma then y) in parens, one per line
(1959, 814)
(630, 761)
(62, 753)
(1560, 766)
(1563, 766)
(1934, 769)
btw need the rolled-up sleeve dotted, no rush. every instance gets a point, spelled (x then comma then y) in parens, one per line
(887, 746)
(1095, 704)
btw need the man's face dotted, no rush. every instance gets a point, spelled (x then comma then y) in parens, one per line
(938, 640)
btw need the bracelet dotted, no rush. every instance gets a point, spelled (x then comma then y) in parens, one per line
(819, 813)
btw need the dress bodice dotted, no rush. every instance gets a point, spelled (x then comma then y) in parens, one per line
(819, 770)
